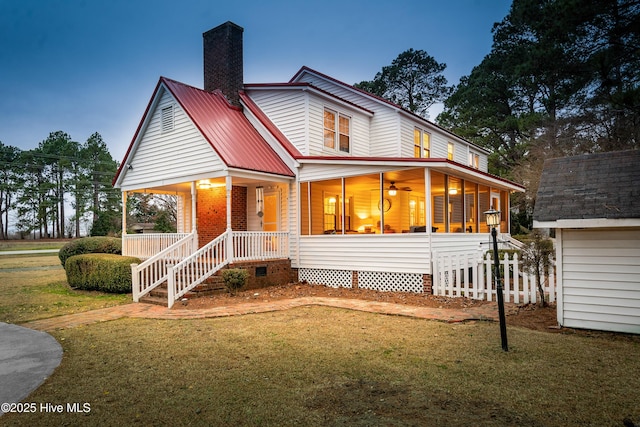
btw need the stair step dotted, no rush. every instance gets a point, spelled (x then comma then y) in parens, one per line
(148, 299)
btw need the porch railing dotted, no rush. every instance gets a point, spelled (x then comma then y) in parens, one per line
(229, 247)
(197, 267)
(153, 271)
(259, 245)
(148, 245)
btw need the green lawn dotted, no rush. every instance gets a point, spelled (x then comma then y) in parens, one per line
(319, 366)
(35, 287)
(323, 366)
(25, 245)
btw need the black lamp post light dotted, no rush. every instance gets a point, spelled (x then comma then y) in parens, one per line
(493, 220)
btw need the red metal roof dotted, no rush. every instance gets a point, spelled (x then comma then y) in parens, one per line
(224, 126)
(236, 141)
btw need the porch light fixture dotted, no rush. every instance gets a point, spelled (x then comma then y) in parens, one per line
(453, 191)
(493, 220)
(392, 189)
(204, 184)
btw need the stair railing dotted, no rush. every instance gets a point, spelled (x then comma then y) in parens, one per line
(197, 267)
(152, 272)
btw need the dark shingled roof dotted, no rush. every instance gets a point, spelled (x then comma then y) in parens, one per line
(603, 185)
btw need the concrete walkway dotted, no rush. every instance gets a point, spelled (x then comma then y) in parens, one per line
(30, 252)
(148, 311)
(27, 358)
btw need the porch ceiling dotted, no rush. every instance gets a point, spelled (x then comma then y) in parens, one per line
(185, 187)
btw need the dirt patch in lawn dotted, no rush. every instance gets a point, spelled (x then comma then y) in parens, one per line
(529, 316)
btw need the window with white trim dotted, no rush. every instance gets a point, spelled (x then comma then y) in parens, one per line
(450, 150)
(421, 144)
(337, 131)
(474, 160)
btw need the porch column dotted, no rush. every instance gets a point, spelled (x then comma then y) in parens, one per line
(194, 195)
(229, 231)
(229, 190)
(124, 213)
(427, 202)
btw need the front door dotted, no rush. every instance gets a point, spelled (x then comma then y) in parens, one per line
(270, 220)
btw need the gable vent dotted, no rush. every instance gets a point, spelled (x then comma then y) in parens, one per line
(167, 119)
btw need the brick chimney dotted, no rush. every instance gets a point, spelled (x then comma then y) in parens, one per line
(223, 60)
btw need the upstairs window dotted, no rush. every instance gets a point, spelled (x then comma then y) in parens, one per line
(450, 150)
(167, 119)
(474, 160)
(421, 144)
(426, 145)
(337, 131)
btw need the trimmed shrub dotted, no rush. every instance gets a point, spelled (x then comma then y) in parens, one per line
(90, 245)
(100, 272)
(234, 279)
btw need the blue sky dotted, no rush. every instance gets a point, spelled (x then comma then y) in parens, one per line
(85, 66)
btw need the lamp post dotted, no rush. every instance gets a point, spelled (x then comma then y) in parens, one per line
(493, 220)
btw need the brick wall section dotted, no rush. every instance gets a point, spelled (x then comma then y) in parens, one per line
(354, 279)
(223, 67)
(211, 212)
(239, 208)
(427, 284)
(279, 272)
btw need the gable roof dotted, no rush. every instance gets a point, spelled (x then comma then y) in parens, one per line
(590, 186)
(306, 70)
(224, 126)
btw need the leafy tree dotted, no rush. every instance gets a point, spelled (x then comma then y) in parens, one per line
(100, 168)
(561, 79)
(163, 223)
(9, 184)
(537, 256)
(158, 209)
(108, 223)
(611, 45)
(57, 152)
(414, 81)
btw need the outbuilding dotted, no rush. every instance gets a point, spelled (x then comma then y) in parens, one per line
(592, 202)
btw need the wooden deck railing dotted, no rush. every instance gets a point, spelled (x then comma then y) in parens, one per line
(260, 245)
(177, 260)
(197, 267)
(147, 245)
(153, 271)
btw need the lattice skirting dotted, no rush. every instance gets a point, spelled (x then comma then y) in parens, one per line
(333, 278)
(391, 282)
(375, 280)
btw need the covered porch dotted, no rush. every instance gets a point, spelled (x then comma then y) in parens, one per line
(384, 229)
(220, 221)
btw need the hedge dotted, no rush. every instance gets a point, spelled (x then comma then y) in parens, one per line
(100, 272)
(90, 245)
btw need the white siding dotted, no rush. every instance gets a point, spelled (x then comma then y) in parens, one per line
(359, 131)
(404, 253)
(287, 109)
(384, 128)
(439, 146)
(460, 242)
(385, 134)
(317, 171)
(170, 157)
(600, 281)
(183, 213)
